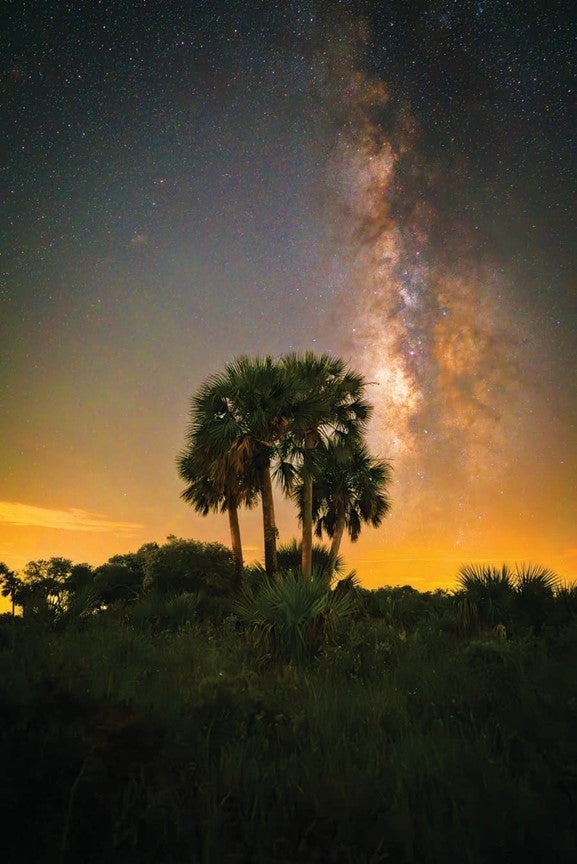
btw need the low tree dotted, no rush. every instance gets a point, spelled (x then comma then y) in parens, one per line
(45, 586)
(188, 566)
(80, 578)
(11, 586)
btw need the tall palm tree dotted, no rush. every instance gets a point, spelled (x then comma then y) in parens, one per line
(350, 488)
(242, 413)
(327, 404)
(215, 482)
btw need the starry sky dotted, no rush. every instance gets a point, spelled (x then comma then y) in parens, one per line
(393, 182)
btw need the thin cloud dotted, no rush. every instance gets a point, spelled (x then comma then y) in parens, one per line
(73, 519)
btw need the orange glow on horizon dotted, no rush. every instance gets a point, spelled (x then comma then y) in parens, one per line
(425, 561)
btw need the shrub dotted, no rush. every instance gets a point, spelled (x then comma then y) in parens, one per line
(535, 593)
(189, 565)
(491, 589)
(290, 614)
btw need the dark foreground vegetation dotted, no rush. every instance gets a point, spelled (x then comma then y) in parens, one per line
(152, 713)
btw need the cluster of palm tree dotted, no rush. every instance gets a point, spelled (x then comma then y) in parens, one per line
(300, 421)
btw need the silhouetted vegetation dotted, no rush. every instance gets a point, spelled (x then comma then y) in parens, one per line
(151, 711)
(173, 706)
(299, 419)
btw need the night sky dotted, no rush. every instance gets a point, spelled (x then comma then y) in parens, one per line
(393, 182)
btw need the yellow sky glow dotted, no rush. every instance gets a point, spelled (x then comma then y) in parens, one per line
(71, 519)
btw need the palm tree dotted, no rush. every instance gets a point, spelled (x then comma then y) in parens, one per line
(326, 404)
(216, 483)
(350, 488)
(238, 419)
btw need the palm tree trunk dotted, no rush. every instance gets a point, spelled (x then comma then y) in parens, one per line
(336, 542)
(268, 521)
(307, 541)
(307, 517)
(235, 542)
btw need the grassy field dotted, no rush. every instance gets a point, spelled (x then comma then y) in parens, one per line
(389, 726)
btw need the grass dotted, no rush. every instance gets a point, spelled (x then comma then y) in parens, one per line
(166, 735)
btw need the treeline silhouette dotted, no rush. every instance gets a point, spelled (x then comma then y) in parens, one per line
(154, 711)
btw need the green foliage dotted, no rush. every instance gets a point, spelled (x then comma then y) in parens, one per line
(491, 589)
(291, 615)
(290, 556)
(327, 407)
(188, 565)
(274, 735)
(403, 607)
(79, 578)
(262, 413)
(565, 608)
(163, 741)
(11, 585)
(160, 611)
(349, 488)
(467, 615)
(523, 596)
(535, 593)
(44, 588)
(119, 580)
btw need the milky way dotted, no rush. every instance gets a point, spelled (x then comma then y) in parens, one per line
(434, 328)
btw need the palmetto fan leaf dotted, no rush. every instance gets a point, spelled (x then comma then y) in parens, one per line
(534, 578)
(292, 613)
(290, 556)
(490, 588)
(535, 588)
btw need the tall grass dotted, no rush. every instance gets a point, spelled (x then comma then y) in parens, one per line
(388, 738)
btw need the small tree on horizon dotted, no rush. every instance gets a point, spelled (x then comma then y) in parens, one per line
(11, 585)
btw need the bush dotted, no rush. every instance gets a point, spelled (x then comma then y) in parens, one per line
(290, 615)
(188, 565)
(163, 737)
